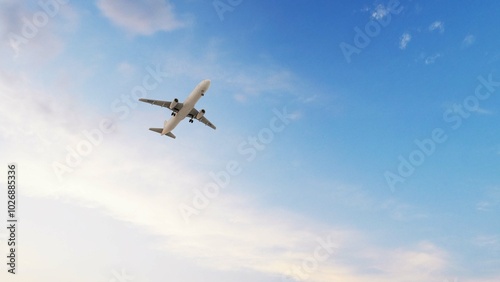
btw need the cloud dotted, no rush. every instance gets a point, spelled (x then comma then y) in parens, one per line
(483, 206)
(468, 41)
(379, 12)
(491, 199)
(356, 198)
(437, 25)
(491, 242)
(424, 258)
(250, 81)
(404, 40)
(482, 111)
(143, 186)
(141, 17)
(233, 233)
(126, 69)
(432, 59)
(26, 31)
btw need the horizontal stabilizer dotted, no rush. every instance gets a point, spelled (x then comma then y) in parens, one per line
(159, 130)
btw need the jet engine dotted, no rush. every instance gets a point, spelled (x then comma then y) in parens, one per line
(200, 114)
(174, 103)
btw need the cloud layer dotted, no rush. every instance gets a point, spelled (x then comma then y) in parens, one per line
(141, 17)
(233, 233)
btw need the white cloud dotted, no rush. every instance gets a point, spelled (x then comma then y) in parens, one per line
(483, 206)
(144, 187)
(379, 12)
(468, 41)
(482, 111)
(141, 17)
(491, 242)
(126, 69)
(26, 31)
(432, 59)
(422, 260)
(244, 82)
(437, 25)
(404, 40)
(357, 198)
(491, 199)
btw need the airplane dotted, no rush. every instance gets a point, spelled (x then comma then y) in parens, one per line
(182, 110)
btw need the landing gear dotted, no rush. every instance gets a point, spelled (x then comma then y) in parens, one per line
(173, 114)
(191, 120)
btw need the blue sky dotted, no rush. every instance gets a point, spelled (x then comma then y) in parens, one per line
(388, 152)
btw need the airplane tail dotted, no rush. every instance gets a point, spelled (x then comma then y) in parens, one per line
(170, 134)
(160, 130)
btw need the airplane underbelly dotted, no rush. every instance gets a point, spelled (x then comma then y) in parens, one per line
(170, 124)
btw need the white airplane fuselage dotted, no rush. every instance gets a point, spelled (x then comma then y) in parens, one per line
(188, 105)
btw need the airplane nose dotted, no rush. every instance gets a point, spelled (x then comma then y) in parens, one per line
(206, 84)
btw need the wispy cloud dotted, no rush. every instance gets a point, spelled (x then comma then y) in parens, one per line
(28, 43)
(488, 241)
(235, 233)
(404, 40)
(483, 111)
(437, 25)
(491, 199)
(483, 206)
(425, 257)
(141, 17)
(251, 81)
(126, 69)
(356, 198)
(468, 41)
(379, 12)
(432, 59)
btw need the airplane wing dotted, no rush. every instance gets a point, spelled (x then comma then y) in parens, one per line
(194, 112)
(165, 104)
